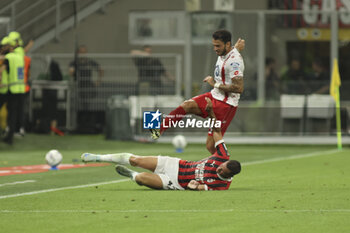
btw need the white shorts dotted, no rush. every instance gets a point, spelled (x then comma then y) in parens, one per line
(168, 169)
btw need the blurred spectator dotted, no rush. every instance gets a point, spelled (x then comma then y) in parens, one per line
(294, 79)
(82, 69)
(49, 111)
(16, 36)
(144, 28)
(272, 80)
(319, 78)
(272, 83)
(12, 85)
(22, 50)
(150, 72)
(3, 91)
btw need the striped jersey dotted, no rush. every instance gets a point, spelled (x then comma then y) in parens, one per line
(228, 67)
(204, 171)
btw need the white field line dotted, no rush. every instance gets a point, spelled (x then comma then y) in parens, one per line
(18, 182)
(298, 156)
(60, 189)
(182, 211)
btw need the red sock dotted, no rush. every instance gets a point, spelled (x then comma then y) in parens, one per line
(175, 116)
(57, 131)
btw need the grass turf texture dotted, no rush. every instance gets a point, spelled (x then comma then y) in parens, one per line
(309, 194)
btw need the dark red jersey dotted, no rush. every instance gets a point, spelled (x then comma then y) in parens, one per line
(204, 171)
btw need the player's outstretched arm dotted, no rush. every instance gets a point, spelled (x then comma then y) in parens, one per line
(240, 44)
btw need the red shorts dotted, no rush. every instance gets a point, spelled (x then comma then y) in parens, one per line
(223, 111)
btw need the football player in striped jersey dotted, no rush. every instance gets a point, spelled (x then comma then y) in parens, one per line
(212, 173)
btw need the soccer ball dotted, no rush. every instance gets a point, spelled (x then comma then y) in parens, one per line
(179, 142)
(53, 158)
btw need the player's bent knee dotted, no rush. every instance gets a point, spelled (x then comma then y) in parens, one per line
(134, 161)
(189, 105)
(150, 180)
(185, 104)
(140, 178)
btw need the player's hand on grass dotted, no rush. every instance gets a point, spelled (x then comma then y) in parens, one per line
(240, 44)
(193, 184)
(209, 80)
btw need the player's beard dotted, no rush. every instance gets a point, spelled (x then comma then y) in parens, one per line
(223, 52)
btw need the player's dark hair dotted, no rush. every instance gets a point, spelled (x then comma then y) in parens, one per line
(223, 35)
(234, 166)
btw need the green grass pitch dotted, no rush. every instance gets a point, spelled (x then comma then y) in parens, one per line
(281, 189)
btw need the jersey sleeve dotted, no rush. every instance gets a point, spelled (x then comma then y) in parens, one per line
(221, 149)
(236, 67)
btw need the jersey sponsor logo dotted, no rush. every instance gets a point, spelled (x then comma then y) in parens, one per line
(151, 120)
(236, 72)
(235, 65)
(199, 172)
(217, 71)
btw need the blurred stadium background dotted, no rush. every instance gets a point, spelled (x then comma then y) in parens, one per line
(290, 48)
(289, 54)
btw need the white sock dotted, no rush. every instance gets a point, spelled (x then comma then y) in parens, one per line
(120, 158)
(134, 174)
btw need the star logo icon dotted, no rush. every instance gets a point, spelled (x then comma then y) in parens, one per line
(152, 120)
(155, 115)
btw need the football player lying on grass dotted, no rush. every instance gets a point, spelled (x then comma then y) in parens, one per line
(212, 173)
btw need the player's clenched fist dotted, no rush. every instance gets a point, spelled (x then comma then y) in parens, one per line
(209, 80)
(240, 44)
(193, 184)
